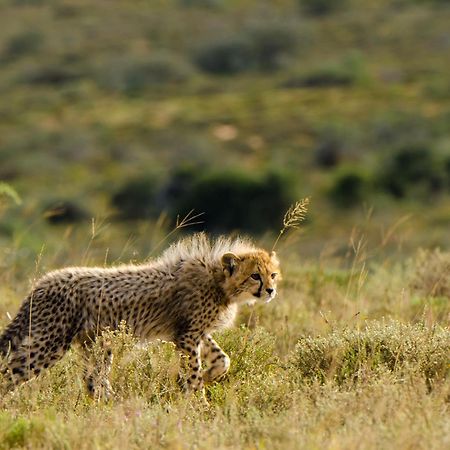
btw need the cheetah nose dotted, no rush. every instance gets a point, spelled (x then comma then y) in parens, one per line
(269, 291)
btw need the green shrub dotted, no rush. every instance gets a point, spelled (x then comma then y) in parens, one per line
(64, 211)
(18, 432)
(447, 172)
(328, 153)
(132, 74)
(396, 129)
(237, 201)
(321, 7)
(178, 184)
(50, 74)
(332, 75)
(356, 355)
(330, 149)
(350, 187)
(271, 42)
(412, 170)
(225, 56)
(255, 371)
(136, 199)
(251, 351)
(24, 43)
(202, 3)
(346, 72)
(261, 46)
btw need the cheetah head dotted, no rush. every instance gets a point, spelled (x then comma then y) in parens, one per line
(251, 277)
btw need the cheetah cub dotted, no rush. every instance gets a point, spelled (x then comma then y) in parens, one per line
(193, 289)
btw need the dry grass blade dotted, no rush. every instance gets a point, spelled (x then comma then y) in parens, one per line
(188, 220)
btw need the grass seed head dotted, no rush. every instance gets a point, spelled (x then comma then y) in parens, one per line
(296, 214)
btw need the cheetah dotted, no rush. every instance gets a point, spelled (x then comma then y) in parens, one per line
(193, 289)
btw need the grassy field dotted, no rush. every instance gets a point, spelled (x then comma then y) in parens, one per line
(352, 354)
(117, 116)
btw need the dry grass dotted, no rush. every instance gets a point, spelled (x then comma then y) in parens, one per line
(332, 363)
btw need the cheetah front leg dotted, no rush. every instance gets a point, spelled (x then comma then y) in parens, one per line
(190, 347)
(216, 359)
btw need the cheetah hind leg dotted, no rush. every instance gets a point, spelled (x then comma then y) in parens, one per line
(29, 359)
(98, 361)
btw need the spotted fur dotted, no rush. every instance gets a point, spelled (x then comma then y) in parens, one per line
(191, 290)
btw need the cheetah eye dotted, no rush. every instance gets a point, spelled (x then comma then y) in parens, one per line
(273, 275)
(255, 276)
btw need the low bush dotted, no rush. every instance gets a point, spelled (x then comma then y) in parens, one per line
(64, 211)
(350, 187)
(447, 172)
(329, 151)
(237, 201)
(412, 170)
(50, 74)
(202, 3)
(357, 355)
(346, 72)
(326, 76)
(225, 56)
(321, 7)
(132, 74)
(261, 46)
(135, 199)
(271, 43)
(24, 43)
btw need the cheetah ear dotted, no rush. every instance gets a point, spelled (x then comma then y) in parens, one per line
(229, 262)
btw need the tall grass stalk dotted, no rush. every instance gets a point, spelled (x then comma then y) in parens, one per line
(293, 217)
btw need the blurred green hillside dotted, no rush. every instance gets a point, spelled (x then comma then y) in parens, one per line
(134, 112)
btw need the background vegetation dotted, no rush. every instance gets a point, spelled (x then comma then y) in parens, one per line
(117, 117)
